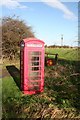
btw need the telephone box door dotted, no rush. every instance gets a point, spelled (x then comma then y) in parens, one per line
(33, 66)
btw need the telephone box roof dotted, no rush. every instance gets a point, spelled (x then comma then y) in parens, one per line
(32, 39)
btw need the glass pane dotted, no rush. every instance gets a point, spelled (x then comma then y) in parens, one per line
(35, 53)
(34, 88)
(35, 78)
(35, 58)
(34, 68)
(35, 63)
(35, 83)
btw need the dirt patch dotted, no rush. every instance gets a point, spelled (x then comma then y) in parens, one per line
(57, 72)
(5, 73)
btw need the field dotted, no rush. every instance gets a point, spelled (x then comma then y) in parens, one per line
(61, 96)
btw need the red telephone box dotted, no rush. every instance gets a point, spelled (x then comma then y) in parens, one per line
(32, 65)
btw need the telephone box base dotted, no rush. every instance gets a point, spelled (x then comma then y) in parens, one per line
(31, 92)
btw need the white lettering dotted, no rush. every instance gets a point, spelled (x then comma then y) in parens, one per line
(34, 45)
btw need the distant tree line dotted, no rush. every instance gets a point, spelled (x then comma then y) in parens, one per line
(13, 31)
(57, 46)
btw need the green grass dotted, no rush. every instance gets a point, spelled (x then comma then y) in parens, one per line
(61, 96)
(65, 53)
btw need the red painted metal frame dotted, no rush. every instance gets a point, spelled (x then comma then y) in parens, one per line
(32, 45)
